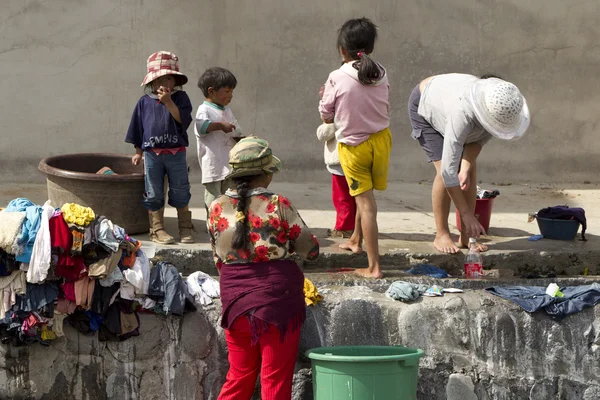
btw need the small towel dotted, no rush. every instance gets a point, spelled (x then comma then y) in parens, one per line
(405, 291)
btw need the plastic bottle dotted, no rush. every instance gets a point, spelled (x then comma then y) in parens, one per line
(473, 261)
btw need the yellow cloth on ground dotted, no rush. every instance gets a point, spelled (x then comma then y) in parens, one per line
(76, 214)
(311, 294)
(47, 334)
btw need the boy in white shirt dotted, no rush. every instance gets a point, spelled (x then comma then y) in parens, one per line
(216, 129)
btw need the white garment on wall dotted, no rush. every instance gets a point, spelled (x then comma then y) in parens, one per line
(41, 254)
(203, 287)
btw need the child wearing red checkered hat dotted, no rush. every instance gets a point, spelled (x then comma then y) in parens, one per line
(158, 131)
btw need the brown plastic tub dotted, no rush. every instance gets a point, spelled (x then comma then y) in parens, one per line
(72, 178)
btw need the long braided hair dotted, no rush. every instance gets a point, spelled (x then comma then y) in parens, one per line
(240, 235)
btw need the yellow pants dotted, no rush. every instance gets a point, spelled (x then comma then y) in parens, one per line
(366, 165)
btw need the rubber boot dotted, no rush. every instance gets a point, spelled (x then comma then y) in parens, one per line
(157, 228)
(186, 227)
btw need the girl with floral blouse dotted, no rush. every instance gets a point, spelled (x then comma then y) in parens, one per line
(254, 235)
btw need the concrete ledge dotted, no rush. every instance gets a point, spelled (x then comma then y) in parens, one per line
(475, 344)
(407, 229)
(508, 264)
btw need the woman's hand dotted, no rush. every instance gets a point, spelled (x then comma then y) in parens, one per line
(471, 226)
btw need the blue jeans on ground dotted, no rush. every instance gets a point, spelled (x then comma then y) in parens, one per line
(155, 168)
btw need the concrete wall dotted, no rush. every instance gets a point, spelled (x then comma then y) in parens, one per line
(71, 71)
(476, 346)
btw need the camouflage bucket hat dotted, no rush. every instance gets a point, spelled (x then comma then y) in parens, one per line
(252, 156)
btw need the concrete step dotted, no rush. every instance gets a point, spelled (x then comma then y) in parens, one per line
(407, 229)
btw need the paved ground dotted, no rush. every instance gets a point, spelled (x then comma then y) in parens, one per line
(405, 217)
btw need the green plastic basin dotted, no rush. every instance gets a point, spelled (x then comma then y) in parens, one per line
(365, 372)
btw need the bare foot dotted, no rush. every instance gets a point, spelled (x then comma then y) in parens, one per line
(365, 273)
(445, 244)
(465, 245)
(353, 247)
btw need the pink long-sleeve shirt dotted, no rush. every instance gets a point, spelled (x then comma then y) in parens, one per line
(358, 110)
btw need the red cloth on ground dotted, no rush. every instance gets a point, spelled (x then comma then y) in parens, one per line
(61, 240)
(344, 204)
(274, 358)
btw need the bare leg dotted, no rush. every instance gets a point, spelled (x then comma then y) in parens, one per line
(468, 178)
(354, 244)
(367, 209)
(441, 210)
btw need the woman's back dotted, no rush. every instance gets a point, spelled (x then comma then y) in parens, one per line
(274, 227)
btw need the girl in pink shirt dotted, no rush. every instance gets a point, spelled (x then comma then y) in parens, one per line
(355, 97)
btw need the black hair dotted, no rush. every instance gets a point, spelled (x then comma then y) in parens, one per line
(488, 76)
(216, 78)
(358, 36)
(240, 235)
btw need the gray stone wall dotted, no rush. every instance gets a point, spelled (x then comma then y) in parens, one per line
(476, 347)
(71, 72)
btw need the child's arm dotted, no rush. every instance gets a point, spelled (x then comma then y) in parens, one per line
(135, 133)
(164, 96)
(327, 103)
(174, 110)
(135, 160)
(204, 125)
(220, 126)
(181, 111)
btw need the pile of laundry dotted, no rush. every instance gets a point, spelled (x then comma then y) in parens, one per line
(69, 265)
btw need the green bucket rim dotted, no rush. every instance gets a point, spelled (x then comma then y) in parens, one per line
(320, 354)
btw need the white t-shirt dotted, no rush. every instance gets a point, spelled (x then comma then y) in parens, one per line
(213, 147)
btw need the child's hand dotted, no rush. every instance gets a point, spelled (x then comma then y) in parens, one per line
(164, 95)
(135, 160)
(227, 127)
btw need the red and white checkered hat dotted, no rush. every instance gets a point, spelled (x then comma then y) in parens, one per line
(163, 63)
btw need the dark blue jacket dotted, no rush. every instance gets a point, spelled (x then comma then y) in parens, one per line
(153, 126)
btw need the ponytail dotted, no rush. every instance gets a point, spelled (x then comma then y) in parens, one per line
(369, 72)
(357, 38)
(241, 226)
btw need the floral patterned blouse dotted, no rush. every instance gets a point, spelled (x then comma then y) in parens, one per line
(276, 230)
